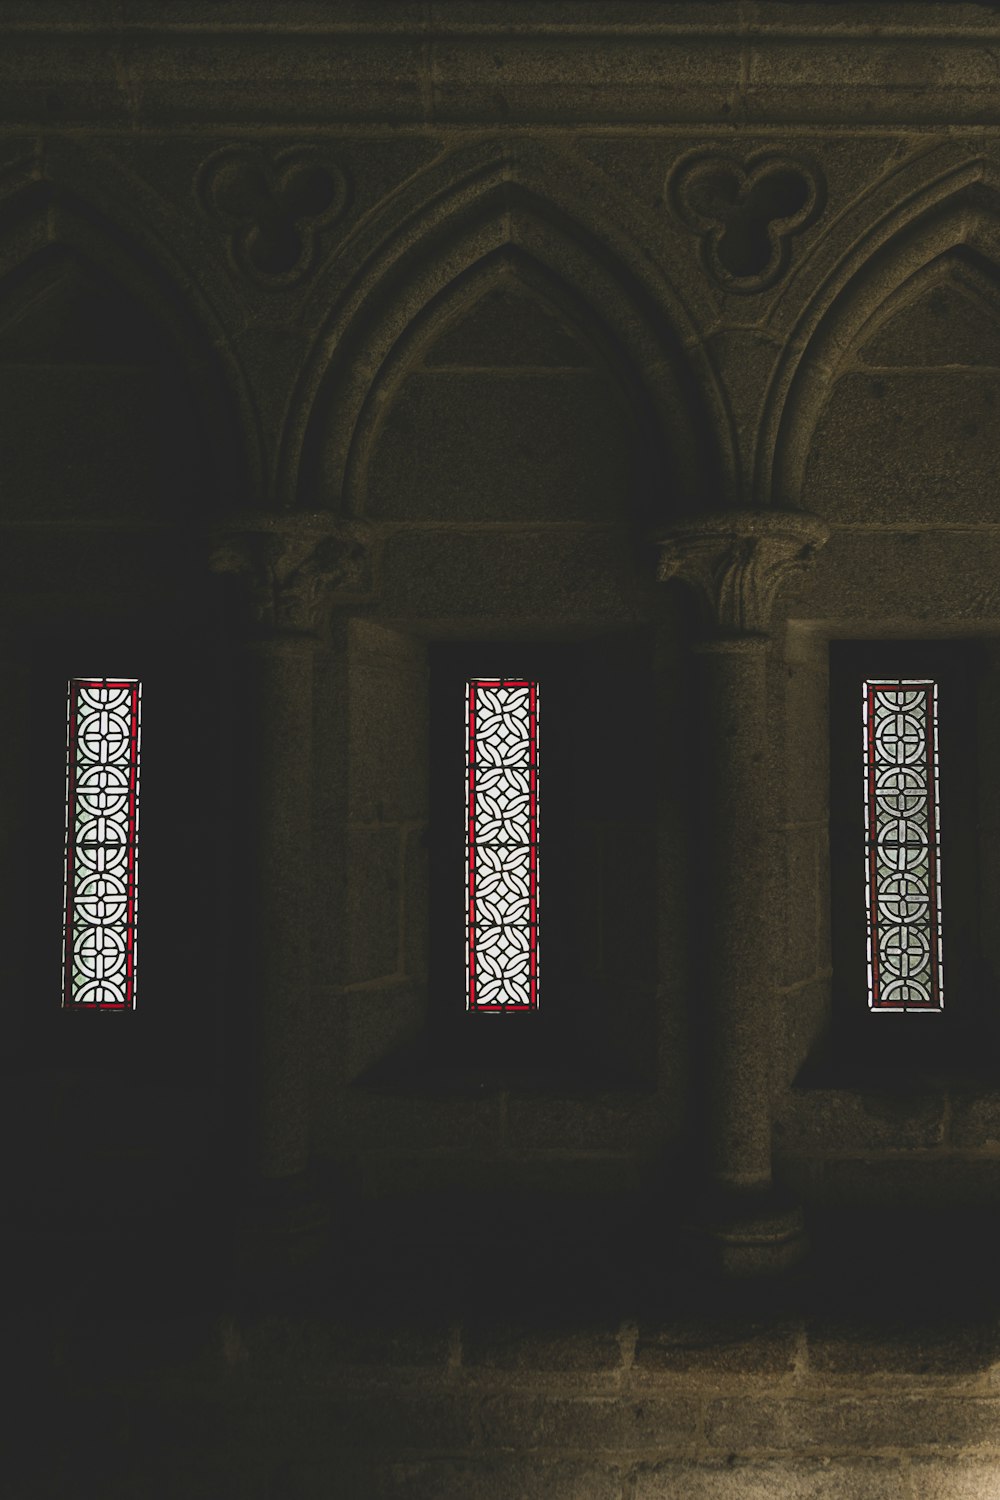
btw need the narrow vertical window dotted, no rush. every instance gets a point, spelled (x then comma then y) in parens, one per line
(902, 845)
(102, 824)
(501, 856)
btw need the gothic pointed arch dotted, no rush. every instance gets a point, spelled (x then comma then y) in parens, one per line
(938, 225)
(444, 250)
(84, 289)
(579, 409)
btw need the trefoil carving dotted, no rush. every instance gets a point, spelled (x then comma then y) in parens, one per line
(745, 213)
(273, 207)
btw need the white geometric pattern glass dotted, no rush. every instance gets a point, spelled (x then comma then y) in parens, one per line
(501, 863)
(102, 826)
(902, 845)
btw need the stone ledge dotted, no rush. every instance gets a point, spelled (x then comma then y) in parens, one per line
(875, 1421)
(486, 64)
(845, 1121)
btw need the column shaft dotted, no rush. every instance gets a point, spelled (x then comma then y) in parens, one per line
(735, 562)
(279, 700)
(736, 959)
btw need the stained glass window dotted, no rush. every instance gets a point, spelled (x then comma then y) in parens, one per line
(102, 824)
(501, 855)
(902, 845)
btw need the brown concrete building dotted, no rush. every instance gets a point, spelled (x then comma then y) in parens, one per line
(649, 352)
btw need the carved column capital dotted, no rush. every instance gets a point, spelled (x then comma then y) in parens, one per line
(736, 561)
(295, 568)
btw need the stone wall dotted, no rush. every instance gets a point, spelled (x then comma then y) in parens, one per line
(660, 340)
(850, 1382)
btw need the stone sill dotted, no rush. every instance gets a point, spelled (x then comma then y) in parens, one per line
(423, 1068)
(910, 1111)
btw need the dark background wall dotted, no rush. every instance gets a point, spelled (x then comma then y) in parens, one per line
(492, 295)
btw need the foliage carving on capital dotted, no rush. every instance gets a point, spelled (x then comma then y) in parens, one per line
(294, 573)
(736, 562)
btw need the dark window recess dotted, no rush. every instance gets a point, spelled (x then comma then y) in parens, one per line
(596, 835)
(185, 831)
(866, 1041)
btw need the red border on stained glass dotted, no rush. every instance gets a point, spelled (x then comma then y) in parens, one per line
(76, 685)
(532, 1004)
(933, 837)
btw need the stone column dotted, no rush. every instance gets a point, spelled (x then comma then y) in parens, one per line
(735, 563)
(292, 570)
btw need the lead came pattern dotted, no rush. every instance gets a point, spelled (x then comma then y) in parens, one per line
(102, 801)
(501, 800)
(902, 846)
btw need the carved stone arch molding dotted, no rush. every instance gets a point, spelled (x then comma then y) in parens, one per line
(88, 220)
(934, 216)
(504, 263)
(433, 250)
